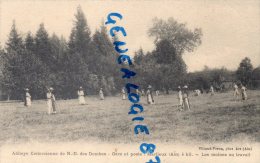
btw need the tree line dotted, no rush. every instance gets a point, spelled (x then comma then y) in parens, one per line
(40, 61)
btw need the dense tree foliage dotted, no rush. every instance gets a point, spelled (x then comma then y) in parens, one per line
(211, 77)
(40, 61)
(164, 67)
(256, 77)
(244, 71)
(182, 38)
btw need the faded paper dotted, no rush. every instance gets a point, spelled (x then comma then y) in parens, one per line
(231, 32)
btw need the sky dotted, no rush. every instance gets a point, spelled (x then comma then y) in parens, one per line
(231, 28)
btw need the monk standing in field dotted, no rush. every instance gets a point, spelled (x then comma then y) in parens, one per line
(180, 98)
(28, 101)
(101, 94)
(81, 96)
(211, 90)
(51, 101)
(243, 92)
(138, 92)
(149, 94)
(186, 102)
(123, 93)
(236, 92)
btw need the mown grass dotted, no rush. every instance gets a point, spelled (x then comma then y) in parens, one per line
(218, 118)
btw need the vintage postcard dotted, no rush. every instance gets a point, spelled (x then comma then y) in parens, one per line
(133, 81)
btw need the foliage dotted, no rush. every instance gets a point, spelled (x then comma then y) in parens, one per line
(216, 77)
(256, 77)
(162, 68)
(182, 38)
(42, 61)
(244, 71)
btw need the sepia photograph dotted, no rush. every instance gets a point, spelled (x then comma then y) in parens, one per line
(129, 81)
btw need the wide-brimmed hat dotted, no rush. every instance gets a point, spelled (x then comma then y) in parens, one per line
(80, 87)
(179, 87)
(51, 89)
(185, 86)
(149, 87)
(27, 89)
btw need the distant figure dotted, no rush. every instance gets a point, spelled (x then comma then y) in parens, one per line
(51, 101)
(180, 98)
(101, 94)
(81, 96)
(243, 92)
(236, 92)
(149, 94)
(28, 101)
(211, 90)
(157, 92)
(142, 92)
(138, 92)
(186, 102)
(123, 93)
(197, 92)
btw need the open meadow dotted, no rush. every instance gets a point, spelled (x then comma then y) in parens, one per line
(218, 118)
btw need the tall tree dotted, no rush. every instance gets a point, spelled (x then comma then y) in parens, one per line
(80, 39)
(79, 53)
(58, 50)
(172, 39)
(30, 42)
(43, 46)
(14, 42)
(148, 71)
(12, 70)
(2, 87)
(182, 38)
(244, 71)
(105, 60)
(139, 55)
(256, 77)
(58, 75)
(170, 65)
(23, 68)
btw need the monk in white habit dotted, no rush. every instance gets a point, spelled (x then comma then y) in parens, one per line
(28, 101)
(81, 96)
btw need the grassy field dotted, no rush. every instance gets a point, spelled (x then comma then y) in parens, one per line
(217, 118)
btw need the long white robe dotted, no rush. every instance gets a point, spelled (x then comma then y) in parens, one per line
(50, 103)
(212, 90)
(123, 94)
(236, 92)
(81, 97)
(101, 95)
(28, 99)
(186, 102)
(180, 98)
(150, 99)
(138, 92)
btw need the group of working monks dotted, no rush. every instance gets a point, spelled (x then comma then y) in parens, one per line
(183, 96)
